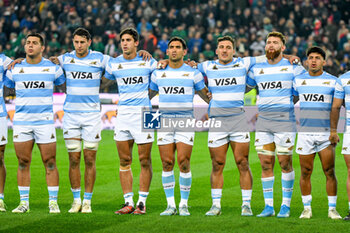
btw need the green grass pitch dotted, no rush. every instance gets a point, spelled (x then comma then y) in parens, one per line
(108, 197)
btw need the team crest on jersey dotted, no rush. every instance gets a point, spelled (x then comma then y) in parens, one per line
(235, 65)
(21, 71)
(52, 136)
(3, 138)
(46, 70)
(163, 75)
(303, 83)
(345, 148)
(93, 63)
(300, 148)
(327, 83)
(142, 64)
(261, 71)
(186, 75)
(149, 136)
(288, 140)
(215, 67)
(97, 136)
(120, 67)
(284, 69)
(72, 61)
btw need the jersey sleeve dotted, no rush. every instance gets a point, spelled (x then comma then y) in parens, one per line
(7, 61)
(8, 79)
(105, 61)
(202, 68)
(153, 64)
(153, 85)
(339, 89)
(109, 71)
(298, 70)
(294, 88)
(198, 81)
(61, 59)
(59, 76)
(251, 79)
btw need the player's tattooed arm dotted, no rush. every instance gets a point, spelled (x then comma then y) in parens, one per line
(162, 64)
(152, 93)
(106, 83)
(292, 59)
(13, 63)
(337, 103)
(204, 94)
(146, 56)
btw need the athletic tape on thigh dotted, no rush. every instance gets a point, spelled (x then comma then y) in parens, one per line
(284, 150)
(261, 150)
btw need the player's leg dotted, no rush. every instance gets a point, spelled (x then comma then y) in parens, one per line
(166, 146)
(306, 167)
(3, 142)
(241, 153)
(327, 157)
(72, 137)
(265, 147)
(125, 174)
(218, 150)
(347, 162)
(284, 150)
(24, 155)
(145, 176)
(184, 145)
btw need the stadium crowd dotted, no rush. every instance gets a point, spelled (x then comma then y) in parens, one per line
(305, 23)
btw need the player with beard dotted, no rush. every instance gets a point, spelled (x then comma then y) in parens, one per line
(275, 128)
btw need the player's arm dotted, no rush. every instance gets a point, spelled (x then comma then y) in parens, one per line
(152, 93)
(337, 103)
(106, 82)
(146, 56)
(203, 93)
(13, 63)
(292, 59)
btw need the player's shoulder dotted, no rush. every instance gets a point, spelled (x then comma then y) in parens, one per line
(327, 75)
(345, 75)
(188, 68)
(3, 57)
(96, 55)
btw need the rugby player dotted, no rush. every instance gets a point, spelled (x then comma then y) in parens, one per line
(33, 81)
(316, 90)
(275, 128)
(176, 85)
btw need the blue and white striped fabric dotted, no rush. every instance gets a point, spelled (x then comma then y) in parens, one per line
(342, 91)
(316, 97)
(4, 62)
(176, 88)
(133, 79)
(275, 82)
(34, 91)
(227, 84)
(83, 80)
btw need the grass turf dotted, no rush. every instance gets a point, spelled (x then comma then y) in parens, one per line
(108, 197)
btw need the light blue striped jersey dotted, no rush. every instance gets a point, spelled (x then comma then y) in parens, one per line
(274, 83)
(176, 88)
(4, 62)
(342, 91)
(34, 91)
(83, 80)
(316, 97)
(133, 78)
(227, 84)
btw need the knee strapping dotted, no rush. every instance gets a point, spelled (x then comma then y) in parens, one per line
(124, 168)
(284, 150)
(261, 150)
(73, 145)
(90, 145)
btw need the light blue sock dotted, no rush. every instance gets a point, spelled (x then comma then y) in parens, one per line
(87, 196)
(168, 181)
(185, 187)
(76, 194)
(332, 202)
(267, 184)
(2, 196)
(24, 193)
(216, 197)
(287, 187)
(53, 193)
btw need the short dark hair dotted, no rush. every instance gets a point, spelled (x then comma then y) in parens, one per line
(130, 31)
(82, 32)
(316, 49)
(277, 34)
(38, 35)
(176, 38)
(229, 38)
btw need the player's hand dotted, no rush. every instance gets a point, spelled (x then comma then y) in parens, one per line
(146, 56)
(162, 64)
(193, 64)
(294, 60)
(210, 96)
(334, 138)
(12, 64)
(54, 60)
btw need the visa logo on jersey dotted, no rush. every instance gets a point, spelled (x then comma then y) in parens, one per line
(34, 84)
(81, 75)
(132, 80)
(225, 81)
(174, 90)
(314, 97)
(271, 85)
